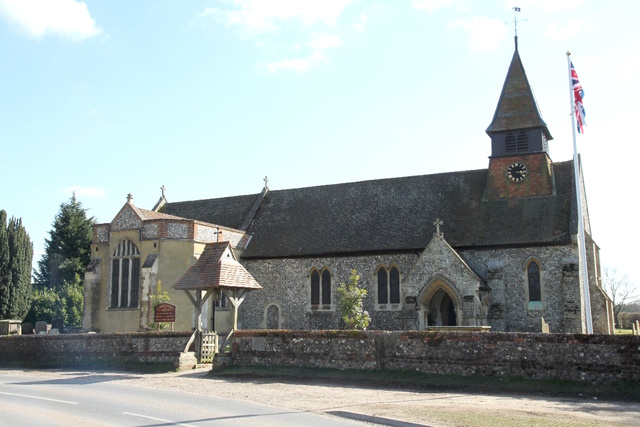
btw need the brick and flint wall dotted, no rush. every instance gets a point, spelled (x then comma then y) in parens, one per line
(597, 358)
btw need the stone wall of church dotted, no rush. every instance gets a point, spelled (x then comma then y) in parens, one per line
(505, 273)
(286, 283)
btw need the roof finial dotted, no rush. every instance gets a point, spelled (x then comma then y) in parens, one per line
(163, 188)
(129, 197)
(266, 182)
(438, 222)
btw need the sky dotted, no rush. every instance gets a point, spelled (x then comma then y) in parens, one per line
(207, 97)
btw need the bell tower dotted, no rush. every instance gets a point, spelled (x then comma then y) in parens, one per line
(519, 165)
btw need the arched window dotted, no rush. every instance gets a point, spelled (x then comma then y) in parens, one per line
(534, 285)
(125, 275)
(510, 142)
(388, 285)
(320, 287)
(523, 141)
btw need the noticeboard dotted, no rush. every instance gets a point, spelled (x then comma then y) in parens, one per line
(164, 313)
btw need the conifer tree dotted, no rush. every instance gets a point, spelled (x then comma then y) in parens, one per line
(60, 275)
(16, 255)
(68, 250)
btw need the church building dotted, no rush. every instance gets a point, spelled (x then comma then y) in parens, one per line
(492, 247)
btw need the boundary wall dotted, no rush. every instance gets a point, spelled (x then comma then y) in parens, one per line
(117, 349)
(597, 358)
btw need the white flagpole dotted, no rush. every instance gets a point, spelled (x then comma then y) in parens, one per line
(581, 242)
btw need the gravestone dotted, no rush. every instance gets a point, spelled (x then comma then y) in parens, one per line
(57, 324)
(27, 329)
(42, 327)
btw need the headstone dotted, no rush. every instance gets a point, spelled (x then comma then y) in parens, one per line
(27, 329)
(54, 331)
(57, 324)
(42, 327)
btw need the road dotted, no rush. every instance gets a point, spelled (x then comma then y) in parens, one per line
(111, 399)
(195, 398)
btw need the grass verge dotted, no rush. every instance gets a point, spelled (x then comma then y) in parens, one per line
(619, 390)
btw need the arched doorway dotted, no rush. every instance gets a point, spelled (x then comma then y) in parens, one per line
(440, 305)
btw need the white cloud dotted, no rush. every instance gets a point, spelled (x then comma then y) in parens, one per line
(97, 193)
(429, 5)
(325, 42)
(66, 18)
(258, 15)
(297, 64)
(485, 33)
(359, 25)
(555, 31)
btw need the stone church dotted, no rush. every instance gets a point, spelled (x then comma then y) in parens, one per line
(493, 247)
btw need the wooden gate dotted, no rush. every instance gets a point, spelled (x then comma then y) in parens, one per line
(209, 347)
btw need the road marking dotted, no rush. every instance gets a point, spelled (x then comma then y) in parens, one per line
(158, 419)
(39, 398)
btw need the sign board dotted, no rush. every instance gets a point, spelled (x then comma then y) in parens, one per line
(164, 313)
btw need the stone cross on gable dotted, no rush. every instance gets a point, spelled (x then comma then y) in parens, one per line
(438, 222)
(129, 197)
(266, 182)
(163, 188)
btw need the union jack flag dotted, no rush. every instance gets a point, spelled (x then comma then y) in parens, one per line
(578, 94)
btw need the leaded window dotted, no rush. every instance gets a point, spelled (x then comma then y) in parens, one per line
(388, 285)
(533, 282)
(125, 275)
(320, 287)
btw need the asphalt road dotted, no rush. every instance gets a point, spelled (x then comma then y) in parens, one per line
(105, 400)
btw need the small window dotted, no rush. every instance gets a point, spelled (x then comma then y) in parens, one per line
(222, 302)
(533, 281)
(125, 275)
(388, 286)
(321, 288)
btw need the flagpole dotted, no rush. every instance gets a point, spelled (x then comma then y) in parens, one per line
(581, 237)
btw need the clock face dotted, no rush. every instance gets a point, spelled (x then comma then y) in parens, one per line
(517, 172)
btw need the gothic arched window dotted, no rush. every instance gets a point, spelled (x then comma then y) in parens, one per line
(533, 282)
(388, 285)
(320, 287)
(125, 275)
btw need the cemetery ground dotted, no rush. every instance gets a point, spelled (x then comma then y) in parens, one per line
(377, 399)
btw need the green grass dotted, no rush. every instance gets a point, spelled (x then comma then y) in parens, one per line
(619, 390)
(624, 331)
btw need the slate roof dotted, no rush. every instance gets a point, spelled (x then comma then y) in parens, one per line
(228, 211)
(396, 214)
(517, 107)
(213, 269)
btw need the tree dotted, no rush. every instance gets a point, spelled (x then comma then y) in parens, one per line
(159, 297)
(16, 256)
(68, 250)
(350, 303)
(59, 278)
(619, 289)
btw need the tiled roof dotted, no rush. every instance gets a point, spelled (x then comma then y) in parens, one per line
(215, 269)
(517, 107)
(147, 215)
(394, 214)
(228, 211)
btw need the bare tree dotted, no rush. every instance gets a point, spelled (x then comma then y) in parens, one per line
(619, 289)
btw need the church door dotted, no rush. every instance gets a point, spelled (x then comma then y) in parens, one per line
(439, 309)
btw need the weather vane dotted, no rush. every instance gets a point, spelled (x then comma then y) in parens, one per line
(515, 21)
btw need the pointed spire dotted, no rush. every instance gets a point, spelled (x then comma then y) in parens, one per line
(517, 109)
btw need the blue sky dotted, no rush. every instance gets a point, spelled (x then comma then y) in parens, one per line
(208, 97)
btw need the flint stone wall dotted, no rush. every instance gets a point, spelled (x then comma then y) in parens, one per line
(599, 358)
(83, 349)
(287, 282)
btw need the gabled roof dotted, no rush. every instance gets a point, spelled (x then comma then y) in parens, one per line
(517, 107)
(394, 214)
(217, 267)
